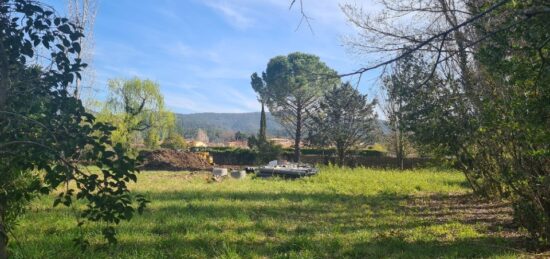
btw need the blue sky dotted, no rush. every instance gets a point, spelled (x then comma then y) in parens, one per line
(202, 52)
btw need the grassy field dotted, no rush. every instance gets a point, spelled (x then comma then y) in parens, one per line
(339, 213)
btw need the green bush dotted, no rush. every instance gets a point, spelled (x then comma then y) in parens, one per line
(268, 151)
(174, 141)
(370, 153)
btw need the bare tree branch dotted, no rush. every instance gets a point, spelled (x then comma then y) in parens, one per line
(429, 40)
(305, 17)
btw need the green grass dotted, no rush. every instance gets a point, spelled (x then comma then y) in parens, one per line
(339, 213)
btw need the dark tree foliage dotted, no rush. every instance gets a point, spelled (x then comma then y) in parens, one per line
(345, 119)
(513, 138)
(493, 117)
(260, 88)
(239, 136)
(262, 135)
(294, 84)
(45, 132)
(485, 101)
(406, 72)
(265, 150)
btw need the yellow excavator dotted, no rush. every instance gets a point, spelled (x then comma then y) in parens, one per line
(205, 155)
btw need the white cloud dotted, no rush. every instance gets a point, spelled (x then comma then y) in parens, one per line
(247, 102)
(221, 99)
(179, 49)
(202, 70)
(236, 15)
(325, 15)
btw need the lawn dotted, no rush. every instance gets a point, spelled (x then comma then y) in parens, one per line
(359, 213)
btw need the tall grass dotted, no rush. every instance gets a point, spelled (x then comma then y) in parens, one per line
(353, 213)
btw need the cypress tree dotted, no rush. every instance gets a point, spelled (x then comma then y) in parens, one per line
(262, 137)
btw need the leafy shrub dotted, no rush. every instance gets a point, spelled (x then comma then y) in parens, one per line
(45, 129)
(174, 141)
(268, 151)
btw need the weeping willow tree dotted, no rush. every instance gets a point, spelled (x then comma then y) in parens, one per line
(136, 107)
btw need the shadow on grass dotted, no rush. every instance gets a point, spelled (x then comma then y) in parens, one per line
(395, 247)
(303, 220)
(320, 225)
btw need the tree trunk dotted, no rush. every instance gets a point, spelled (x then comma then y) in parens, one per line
(400, 132)
(298, 135)
(3, 246)
(77, 87)
(400, 151)
(341, 156)
(465, 70)
(396, 144)
(4, 76)
(3, 241)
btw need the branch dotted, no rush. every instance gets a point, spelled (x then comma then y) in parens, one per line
(33, 121)
(488, 35)
(305, 17)
(436, 61)
(429, 40)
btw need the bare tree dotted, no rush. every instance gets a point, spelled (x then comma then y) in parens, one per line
(83, 13)
(202, 136)
(442, 28)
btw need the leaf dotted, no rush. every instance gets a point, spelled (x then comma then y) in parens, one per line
(65, 28)
(128, 213)
(76, 47)
(133, 177)
(44, 190)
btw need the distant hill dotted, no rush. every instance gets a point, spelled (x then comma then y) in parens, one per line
(222, 125)
(215, 124)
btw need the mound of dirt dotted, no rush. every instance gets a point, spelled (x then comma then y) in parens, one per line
(172, 160)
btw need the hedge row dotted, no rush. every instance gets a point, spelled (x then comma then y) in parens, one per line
(332, 152)
(373, 162)
(239, 156)
(305, 151)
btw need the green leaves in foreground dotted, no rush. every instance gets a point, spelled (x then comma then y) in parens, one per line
(45, 133)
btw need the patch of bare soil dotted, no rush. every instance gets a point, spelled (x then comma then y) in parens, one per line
(464, 208)
(173, 160)
(495, 218)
